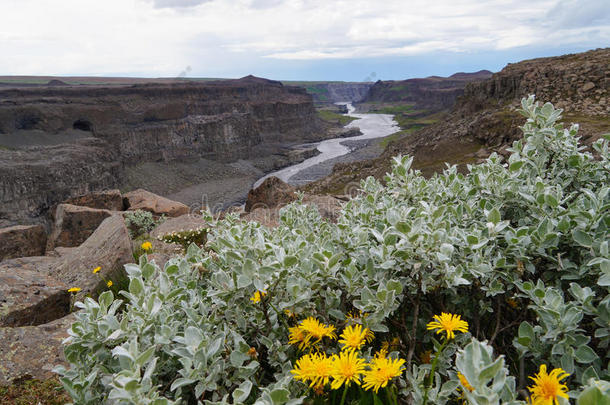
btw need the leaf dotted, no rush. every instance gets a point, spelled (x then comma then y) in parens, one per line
(242, 392)
(136, 286)
(290, 261)
(181, 382)
(494, 216)
(582, 238)
(584, 354)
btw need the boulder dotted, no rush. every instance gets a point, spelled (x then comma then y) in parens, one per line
(145, 200)
(32, 350)
(181, 223)
(74, 224)
(104, 200)
(109, 247)
(22, 240)
(28, 295)
(271, 193)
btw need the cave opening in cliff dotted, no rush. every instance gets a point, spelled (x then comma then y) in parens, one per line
(83, 125)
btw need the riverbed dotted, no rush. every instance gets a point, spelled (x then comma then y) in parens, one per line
(371, 126)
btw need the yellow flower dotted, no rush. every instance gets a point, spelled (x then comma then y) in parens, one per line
(353, 337)
(382, 371)
(316, 368)
(74, 289)
(465, 382)
(547, 387)
(317, 330)
(297, 337)
(449, 323)
(97, 270)
(252, 353)
(347, 368)
(146, 246)
(256, 298)
(109, 283)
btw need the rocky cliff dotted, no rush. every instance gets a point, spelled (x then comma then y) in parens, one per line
(484, 118)
(61, 141)
(430, 93)
(333, 92)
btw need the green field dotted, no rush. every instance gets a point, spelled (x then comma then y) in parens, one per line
(334, 117)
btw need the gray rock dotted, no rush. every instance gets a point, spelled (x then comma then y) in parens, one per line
(145, 200)
(74, 224)
(32, 350)
(105, 200)
(109, 247)
(28, 296)
(21, 241)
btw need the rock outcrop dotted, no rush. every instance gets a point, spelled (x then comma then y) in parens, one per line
(57, 142)
(104, 200)
(432, 93)
(30, 297)
(141, 199)
(21, 241)
(270, 193)
(32, 350)
(74, 224)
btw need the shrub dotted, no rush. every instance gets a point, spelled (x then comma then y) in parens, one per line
(140, 222)
(186, 237)
(518, 249)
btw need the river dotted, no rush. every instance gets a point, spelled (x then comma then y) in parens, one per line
(371, 126)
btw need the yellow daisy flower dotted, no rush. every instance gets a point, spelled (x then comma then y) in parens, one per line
(146, 246)
(353, 337)
(449, 323)
(298, 337)
(109, 283)
(465, 382)
(382, 371)
(316, 368)
(256, 298)
(74, 289)
(317, 330)
(347, 368)
(97, 270)
(547, 387)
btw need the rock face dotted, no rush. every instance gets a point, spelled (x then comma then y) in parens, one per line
(104, 200)
(57, 142)
(333, 92)
(109, 247)
(74, 224)
(484, 118)
(432, 93)
(271, 193)
(32, 350)
(145, 200)
(28, 296)
(21, 241)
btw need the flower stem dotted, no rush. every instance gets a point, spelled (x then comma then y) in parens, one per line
(344, 394)
(434, 362)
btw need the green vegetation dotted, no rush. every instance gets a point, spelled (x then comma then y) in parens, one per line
(471, 283)
(187, 237)
(335, 117)
(28, 392)
(140, 223)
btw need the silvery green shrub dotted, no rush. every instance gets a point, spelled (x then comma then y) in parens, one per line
(518, 248)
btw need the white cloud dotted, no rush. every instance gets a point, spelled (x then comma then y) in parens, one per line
(163, 37)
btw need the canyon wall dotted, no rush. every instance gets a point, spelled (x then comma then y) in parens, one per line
(485, 117)
(333, 92)
(57, 142)
(430, 93)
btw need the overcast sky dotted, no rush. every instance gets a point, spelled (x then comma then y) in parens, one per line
(291, 39)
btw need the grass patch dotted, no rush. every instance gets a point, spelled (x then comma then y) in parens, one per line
(28, 392)
(331, 116)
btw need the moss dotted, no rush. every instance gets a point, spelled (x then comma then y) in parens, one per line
(27, 392)
(334, 117)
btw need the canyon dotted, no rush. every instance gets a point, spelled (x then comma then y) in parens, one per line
(484, 118)
(61, 141)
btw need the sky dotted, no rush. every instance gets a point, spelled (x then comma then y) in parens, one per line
(291, 39)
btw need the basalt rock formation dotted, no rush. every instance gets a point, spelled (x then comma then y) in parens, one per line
(333, 92)
(484, 118)
(61, 141)
(431, 93)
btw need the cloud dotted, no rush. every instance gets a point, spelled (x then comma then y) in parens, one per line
(162, 37)
(178, 3)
